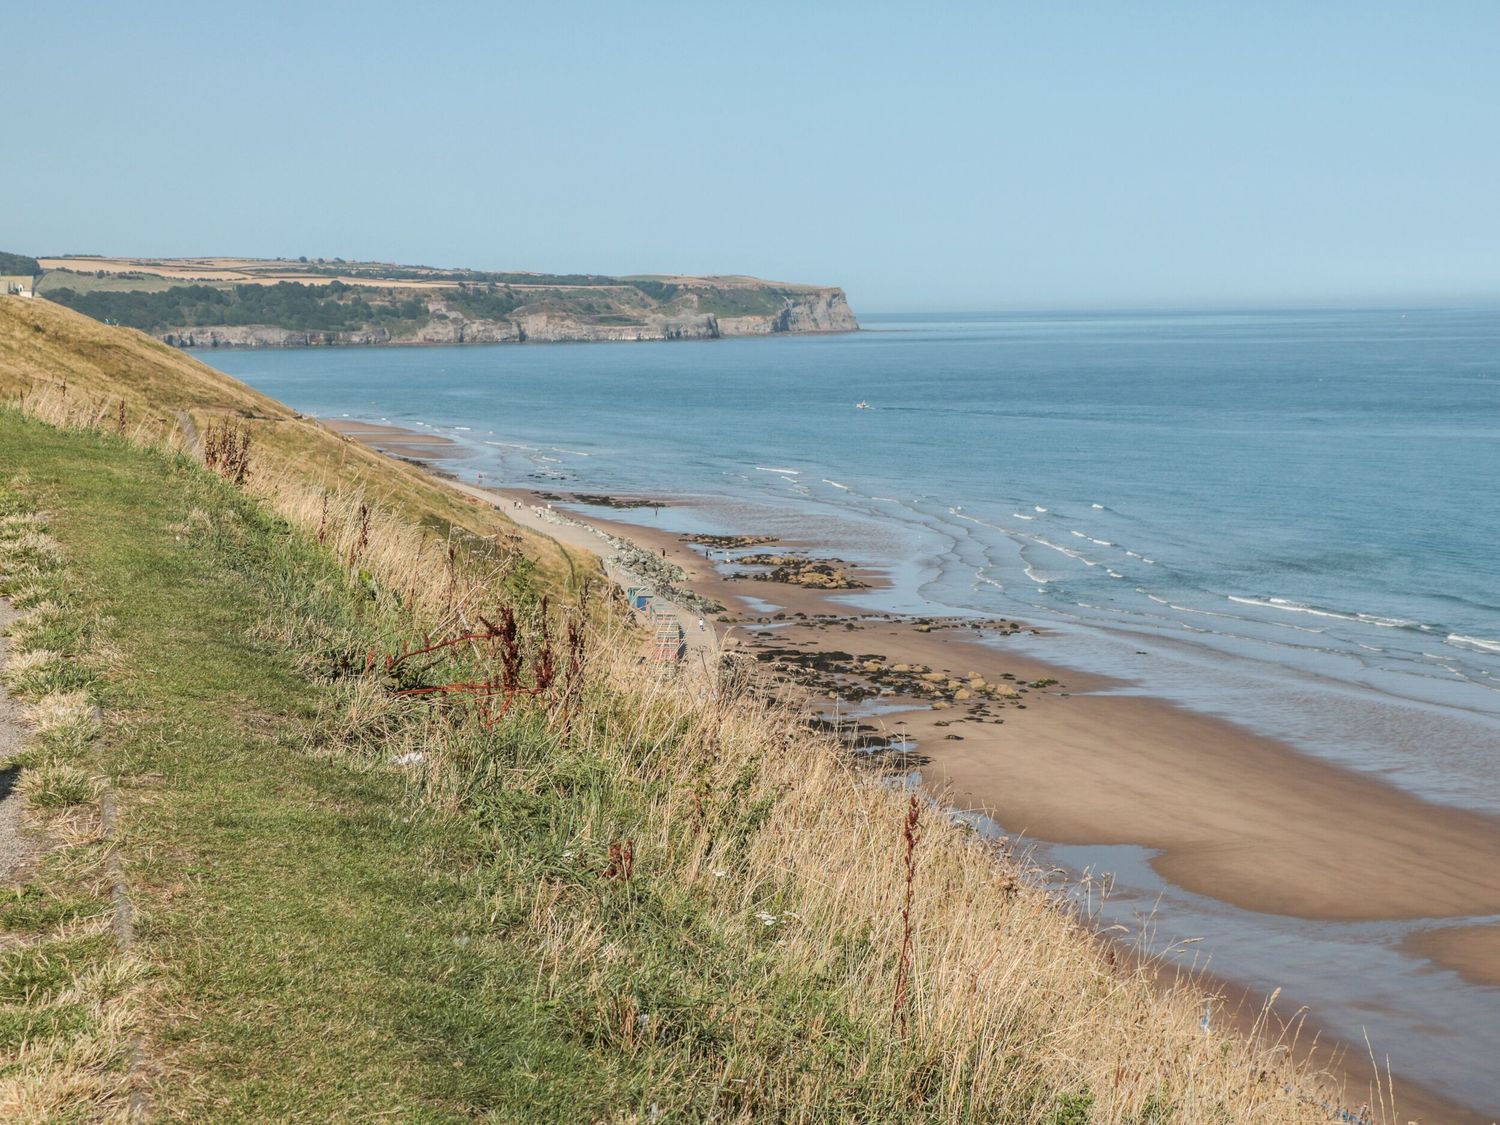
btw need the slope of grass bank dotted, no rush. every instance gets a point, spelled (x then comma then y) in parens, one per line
(602, 899)
(139, 386)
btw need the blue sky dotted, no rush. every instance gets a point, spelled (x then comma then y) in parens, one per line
(923, 155)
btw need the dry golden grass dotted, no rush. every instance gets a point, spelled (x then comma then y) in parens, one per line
(70, 370)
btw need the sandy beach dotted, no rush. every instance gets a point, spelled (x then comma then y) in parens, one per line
(1232, 815)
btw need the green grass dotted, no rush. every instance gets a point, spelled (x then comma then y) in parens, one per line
(323, 946)
(300, 913)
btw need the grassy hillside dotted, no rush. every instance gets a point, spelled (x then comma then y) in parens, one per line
(513, 878)
(46, 349)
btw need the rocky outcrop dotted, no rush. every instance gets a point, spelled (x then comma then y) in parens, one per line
(818, 310)
(801, 311)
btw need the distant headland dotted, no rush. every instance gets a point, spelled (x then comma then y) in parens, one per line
(302, 302)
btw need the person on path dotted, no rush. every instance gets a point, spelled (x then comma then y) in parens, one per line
(700, 624)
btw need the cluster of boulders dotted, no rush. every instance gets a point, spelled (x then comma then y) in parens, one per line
(840, 674)
(942, 688)
(799, 570)
(729, 542)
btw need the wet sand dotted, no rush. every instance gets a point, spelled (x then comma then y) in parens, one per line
(396, 440)
(1473, 952)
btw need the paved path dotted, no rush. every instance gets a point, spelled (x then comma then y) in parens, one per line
(703, 645)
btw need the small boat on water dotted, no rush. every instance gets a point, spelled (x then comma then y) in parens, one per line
(861, 405)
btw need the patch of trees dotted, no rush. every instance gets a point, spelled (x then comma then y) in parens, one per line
(18, 263)
(288, 304)
(487, 302)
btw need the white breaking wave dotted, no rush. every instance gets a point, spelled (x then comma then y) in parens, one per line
(836, 484)
(1072, 554)
(1481, 643)
(1289, 606)
(1019, 516)
(1102, 542)
(1100, 507)
(1080, 534)
(574, 452)
(1038, 508)
(775, 469)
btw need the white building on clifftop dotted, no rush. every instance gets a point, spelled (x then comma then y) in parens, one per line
(17, 285)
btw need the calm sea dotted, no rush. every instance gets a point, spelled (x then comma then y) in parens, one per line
(1289, 519)
(1286, 518)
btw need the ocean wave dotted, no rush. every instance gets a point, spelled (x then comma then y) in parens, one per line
(776, 469)
(836, 484)
(1097, 507)
(1101, 542)
(1080, 534)
(464, 429)
(1391, 622)
(1481, 643)
(1072, 554)
(1038, 508)
(1288, 606)
(1034, 576)
(574, 452)
(1019, 516)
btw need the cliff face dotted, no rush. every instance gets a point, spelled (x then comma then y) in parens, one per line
(814, 310)
(263, 303)
(268, 336)
(820, 310)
